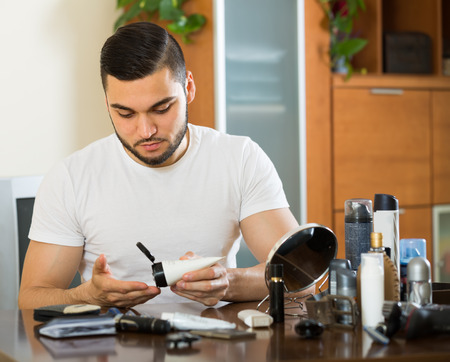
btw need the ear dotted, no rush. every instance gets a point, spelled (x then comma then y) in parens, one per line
(190, 87)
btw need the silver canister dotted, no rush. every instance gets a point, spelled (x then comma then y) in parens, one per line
(419, 281)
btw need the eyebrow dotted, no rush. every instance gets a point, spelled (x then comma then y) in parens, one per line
(157, 104)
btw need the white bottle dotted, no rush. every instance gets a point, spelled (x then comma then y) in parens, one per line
(386, 221)
(372, 288)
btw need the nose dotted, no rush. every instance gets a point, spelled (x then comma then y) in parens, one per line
(146, 127)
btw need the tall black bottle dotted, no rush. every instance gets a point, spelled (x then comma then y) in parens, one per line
(276, 292)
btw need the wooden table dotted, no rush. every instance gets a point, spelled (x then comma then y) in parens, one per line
(280, 342)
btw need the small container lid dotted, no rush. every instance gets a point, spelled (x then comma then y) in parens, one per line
(358, 210)
(418, 270)
(276, 270)
(385, 202)
(411, 248)
(376, 240)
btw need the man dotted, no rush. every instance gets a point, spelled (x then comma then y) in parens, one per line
(180, 189)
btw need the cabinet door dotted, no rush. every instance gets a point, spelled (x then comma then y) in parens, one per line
(441, 147)
(381, 145)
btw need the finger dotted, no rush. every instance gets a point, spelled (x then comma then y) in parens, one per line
(213, 272)
(123, 287)
(204, 298)
(188, 255)
(131, 298)
(101, 265)
(202, 287)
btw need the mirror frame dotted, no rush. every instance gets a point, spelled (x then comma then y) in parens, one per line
(287, 237)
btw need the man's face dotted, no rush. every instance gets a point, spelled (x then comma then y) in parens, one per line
(149, 116)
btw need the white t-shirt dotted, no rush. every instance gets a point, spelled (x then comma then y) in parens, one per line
(103, 200)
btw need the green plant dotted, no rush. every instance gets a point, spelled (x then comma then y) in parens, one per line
(170, 10)
(343, 43)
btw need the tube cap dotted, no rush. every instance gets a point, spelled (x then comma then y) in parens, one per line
(276, 270)
(385, 202)
(418, 269)
(158, 275)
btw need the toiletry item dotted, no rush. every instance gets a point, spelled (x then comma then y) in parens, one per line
(409, 248)
(419, 281)
(391, 278)
(184, 321)
(276, 292)
(372, 288)
(346, 286)
(139, 324)
(358, 226)
(336, 264)
(168, 273)
(254, 318)
(386, 221)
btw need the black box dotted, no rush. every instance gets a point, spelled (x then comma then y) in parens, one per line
(407, 52)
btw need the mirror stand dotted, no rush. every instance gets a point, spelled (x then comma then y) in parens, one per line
(293, 302)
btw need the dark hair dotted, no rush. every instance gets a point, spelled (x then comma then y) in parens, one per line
(140, 49)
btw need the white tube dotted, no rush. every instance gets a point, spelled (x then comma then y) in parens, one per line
(184, 321)
(170, 272)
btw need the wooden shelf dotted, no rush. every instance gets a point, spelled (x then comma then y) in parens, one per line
(392, 81)
(430, 17)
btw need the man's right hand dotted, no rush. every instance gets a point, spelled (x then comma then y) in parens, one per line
(104, 290)
(49, 269)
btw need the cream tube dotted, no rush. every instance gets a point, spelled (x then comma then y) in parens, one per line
(184, 321)
(168, 273)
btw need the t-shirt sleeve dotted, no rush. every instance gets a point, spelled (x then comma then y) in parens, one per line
(262, 188)
(54, 215)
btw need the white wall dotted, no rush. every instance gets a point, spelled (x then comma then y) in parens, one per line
(51, 99)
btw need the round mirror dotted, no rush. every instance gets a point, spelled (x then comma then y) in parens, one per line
(306, 253)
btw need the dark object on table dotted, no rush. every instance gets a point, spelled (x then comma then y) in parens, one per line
(309, 328)
(181, 340)
(44, 314)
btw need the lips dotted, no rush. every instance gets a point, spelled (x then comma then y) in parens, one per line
(151, 146)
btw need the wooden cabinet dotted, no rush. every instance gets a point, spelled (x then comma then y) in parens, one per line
(441, 147)
(381, 144)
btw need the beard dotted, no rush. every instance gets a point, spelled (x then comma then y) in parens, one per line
(158, 160)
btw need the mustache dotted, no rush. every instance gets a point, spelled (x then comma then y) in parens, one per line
(150, 139)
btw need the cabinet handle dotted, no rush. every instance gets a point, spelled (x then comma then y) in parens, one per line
(387, 91)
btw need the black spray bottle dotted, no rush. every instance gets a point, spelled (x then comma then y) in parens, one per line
(276, 292)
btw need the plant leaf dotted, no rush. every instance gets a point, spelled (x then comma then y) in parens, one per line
(132, 12)
(349, 47)
(152, 5)
(168, 12)
(123, 3)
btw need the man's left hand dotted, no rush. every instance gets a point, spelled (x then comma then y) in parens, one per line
(207, 286)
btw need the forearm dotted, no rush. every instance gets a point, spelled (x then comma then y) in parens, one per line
(246, 284)
(35, 297)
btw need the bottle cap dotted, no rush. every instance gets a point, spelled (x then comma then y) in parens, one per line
(376, 240)
(346, 283)
(358, 210)
(158, 275)
(385, 202)
(276, 270)
(411, 248)
(418, 270)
